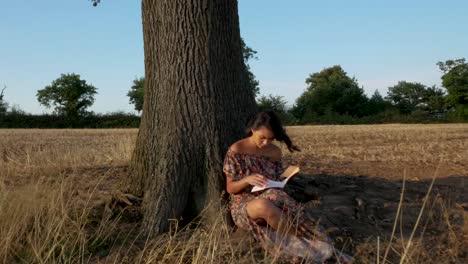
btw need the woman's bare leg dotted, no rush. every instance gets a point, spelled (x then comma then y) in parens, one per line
(265, 209)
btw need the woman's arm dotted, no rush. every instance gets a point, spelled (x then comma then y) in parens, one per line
(233, 186)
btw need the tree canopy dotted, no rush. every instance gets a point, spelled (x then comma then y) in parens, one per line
(434, 100)
(377, 104)
(407, 96)
(330, 90)
(136, 93)
(455, 80)
(69, 95)
(248, 53)
(276, 103)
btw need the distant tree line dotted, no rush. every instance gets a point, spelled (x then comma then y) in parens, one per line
(331, 97)
(20, 119)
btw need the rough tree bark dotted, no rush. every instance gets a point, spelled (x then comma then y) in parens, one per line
(196, 103)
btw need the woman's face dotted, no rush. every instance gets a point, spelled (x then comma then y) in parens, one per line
(262, 136)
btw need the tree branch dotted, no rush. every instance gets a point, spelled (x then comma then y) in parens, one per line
(1, 94)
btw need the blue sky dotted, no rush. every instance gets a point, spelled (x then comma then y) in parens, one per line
(378, 42)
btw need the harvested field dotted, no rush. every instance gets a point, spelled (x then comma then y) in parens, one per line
(62, 199)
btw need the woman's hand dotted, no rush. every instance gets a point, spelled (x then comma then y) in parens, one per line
(256, 180)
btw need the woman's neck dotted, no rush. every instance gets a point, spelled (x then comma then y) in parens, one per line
(251, 142)
(254, 148)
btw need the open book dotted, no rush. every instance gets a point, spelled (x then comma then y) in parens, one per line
(287, 174)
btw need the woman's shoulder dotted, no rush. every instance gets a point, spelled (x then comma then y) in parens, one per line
(241, 147)
(233, 151)
(238, 146)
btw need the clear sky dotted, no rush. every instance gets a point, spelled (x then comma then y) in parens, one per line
(379, 42)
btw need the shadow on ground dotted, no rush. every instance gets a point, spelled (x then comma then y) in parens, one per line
(358, 209)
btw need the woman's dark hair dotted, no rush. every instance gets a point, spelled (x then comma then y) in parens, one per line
(271, 121)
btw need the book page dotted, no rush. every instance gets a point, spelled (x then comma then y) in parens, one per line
(270, 184)
(287, 174)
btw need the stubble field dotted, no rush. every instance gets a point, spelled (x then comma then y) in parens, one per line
(62, 199)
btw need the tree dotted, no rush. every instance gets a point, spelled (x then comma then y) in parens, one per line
(68, 94)
(330, 91)
(377, 104)
(3, 104)
(455, 80)
(407, 96)
(271, 102)
(434, 100)
(196, 101)
(136, 93)
(248, 53)
(278, 104)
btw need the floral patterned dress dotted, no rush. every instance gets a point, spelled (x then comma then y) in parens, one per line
(312, 244)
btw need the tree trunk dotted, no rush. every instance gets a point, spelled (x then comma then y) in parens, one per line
(196, 103)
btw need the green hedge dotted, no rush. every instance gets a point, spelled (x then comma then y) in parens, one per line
(125, 120)
(386, 117)
(112, 120)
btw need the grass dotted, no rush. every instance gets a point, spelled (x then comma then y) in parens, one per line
(60, 200)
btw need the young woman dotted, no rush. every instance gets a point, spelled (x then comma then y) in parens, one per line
(274, 218)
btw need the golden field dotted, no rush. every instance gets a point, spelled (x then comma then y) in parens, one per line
(61, 197)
